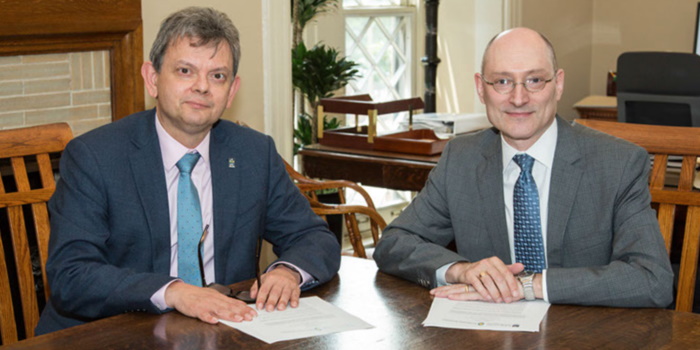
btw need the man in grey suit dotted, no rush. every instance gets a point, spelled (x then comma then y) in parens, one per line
(537, 208)
(134, 193)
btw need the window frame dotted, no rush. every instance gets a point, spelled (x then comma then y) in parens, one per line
(405, 11)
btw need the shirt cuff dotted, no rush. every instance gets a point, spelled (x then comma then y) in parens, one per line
(441, 274)
(545, 296)
(305, 276)
(158, 298)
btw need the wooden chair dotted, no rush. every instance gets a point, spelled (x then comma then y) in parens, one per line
(663, 141)
(309, 187)
(26, 185)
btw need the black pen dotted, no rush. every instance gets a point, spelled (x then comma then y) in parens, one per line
(244, 294)
(241, 295)
(258, 247)
(200, 247)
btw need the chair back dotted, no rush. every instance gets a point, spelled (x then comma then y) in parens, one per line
(662, 142)
(27, 183)
(309, 186)
(658, 88)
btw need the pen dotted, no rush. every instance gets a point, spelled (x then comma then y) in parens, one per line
(200, 247)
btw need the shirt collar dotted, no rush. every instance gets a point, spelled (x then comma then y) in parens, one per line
(172, 150)
(542, 150)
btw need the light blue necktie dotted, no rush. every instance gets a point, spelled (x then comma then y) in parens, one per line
(189, 222)
(529, 249)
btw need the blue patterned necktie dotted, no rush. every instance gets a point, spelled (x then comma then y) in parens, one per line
(189, 222)
(529, 249)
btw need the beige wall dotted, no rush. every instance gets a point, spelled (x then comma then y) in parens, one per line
(464, 29)
(590, 35)
(456, 42)
(638, 25)
(466, 26)
(568, 25)
(247, 16)
(587, 34)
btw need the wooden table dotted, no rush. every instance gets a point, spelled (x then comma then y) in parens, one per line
(396, 308)
(397, 171)
(597, 107)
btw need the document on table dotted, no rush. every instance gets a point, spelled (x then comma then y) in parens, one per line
(312, 317)
(523, 316)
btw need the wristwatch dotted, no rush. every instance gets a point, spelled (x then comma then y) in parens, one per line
(526, 278)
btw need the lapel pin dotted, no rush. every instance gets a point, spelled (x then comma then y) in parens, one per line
(231, 163)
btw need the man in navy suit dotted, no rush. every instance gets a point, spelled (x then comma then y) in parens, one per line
(114, 215)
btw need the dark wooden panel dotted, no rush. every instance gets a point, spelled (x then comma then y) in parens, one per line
(354, 170)
(405, 177)
(39, 17)
(51, 26)
(381, 169)
(360, 105)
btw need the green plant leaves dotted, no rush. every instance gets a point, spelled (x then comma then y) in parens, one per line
(308, 9)
(319, 71)
(303, 132)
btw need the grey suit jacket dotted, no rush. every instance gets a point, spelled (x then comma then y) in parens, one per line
(604, 246)
(109, 249)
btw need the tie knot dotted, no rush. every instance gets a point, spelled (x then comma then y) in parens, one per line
(187, 162)
(524, 161)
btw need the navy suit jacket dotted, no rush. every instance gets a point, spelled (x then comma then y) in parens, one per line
(109, 250)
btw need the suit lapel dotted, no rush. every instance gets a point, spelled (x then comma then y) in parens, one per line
(147, 169)
(566, 176)
(226, 181)
(490, 184)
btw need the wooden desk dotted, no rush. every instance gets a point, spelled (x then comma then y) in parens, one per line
(396, 308)
(398, 171)
(597, 107)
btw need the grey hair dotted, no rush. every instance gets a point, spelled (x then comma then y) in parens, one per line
(206, 25)
(550, 48)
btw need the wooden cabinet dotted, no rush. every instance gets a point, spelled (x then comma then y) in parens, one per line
(597, 107)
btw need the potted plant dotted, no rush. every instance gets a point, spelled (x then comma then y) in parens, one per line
(316, 72)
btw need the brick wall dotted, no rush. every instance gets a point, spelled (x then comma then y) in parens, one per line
(70, 87)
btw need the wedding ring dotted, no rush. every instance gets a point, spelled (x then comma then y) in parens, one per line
(466, 288)
(483, 274)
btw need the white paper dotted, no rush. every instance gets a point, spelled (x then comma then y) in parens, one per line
(521, 316)
(312, 317)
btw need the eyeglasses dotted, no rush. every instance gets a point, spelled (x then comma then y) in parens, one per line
(505, 86)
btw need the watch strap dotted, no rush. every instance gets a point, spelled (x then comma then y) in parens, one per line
(526, 279)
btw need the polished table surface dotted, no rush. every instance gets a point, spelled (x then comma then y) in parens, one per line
(396, 308)
(397, 171)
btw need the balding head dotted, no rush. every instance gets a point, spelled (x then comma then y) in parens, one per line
(520, 85)
(523, 37)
